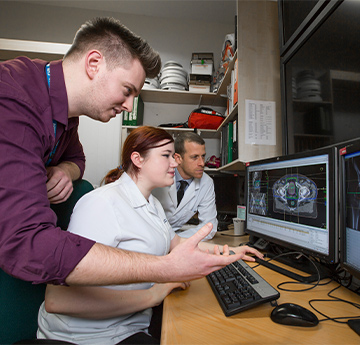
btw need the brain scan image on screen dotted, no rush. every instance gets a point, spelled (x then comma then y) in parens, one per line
(295, 194)
(257, 204)
(353, 193)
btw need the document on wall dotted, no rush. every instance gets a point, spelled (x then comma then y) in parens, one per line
(260, 122)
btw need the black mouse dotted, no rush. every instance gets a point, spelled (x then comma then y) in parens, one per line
(294, 315)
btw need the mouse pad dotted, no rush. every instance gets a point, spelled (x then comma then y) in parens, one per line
(354, 325)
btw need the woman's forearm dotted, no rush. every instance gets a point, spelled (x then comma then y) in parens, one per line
(96, 302)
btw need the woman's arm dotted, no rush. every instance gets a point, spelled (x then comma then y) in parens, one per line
(101, 303)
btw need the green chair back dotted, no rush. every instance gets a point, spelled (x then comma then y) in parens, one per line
(20, 300)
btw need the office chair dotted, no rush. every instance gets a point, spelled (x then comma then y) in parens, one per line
(20, 300)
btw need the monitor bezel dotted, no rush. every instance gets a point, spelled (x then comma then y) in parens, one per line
(349, 147)
(333, 256)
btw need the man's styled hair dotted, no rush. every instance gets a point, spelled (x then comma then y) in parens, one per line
(187, 137)
(117, 43)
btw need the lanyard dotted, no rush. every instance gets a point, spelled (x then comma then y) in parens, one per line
(47, 71)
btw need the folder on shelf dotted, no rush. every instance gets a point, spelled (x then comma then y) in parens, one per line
(230, 143)
(136, 116)
(235, 149)
(224, 146)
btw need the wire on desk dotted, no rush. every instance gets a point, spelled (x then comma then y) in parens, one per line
(313, 285)
(335, 299)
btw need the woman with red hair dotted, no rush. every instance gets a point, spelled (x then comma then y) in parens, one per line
(121, 214)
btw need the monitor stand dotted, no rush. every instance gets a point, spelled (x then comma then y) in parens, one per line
(302, 264)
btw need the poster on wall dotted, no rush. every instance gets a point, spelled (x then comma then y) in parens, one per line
(260, 122)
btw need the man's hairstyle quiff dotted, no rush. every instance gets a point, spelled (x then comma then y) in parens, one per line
(190, 137)
(117, 43)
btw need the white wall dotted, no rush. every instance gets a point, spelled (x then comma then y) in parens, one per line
(102, 146)
(174, 39)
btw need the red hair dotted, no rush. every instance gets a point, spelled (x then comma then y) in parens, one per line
(141, 140)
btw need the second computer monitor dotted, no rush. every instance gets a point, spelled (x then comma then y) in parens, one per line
(292, 201)
(349, 161)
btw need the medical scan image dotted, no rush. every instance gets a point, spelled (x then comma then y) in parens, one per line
(295, 194)
(257, 198)
(353, 193)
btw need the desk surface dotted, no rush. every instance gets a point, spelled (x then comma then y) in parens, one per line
(194, 316)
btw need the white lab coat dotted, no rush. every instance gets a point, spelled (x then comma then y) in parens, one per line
(198, 197)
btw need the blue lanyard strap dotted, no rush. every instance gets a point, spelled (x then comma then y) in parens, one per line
(47, 71)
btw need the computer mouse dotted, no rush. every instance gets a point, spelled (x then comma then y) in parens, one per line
(294, 315)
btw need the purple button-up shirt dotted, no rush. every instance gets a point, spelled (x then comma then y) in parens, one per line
(31, 246)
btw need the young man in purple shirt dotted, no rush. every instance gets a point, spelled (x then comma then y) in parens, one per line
(41, 155)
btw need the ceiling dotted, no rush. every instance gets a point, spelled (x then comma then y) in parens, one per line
(202, 10)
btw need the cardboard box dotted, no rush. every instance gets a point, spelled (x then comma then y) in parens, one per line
(199, 88)
(199, 83)
(202, 63)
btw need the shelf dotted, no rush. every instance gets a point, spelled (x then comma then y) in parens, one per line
(10, 49)
(235, 165)
(299, 105)
(302, 135)
(227, 78)
(204, 133)
(229, 118)
(182, 97)
(186, 97)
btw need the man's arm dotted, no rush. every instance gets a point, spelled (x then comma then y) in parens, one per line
(105, 265)
(59, 184)
(68, 164)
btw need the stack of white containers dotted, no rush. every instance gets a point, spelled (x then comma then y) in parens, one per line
(173, 77)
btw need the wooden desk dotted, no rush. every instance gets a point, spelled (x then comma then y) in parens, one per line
(194, 316)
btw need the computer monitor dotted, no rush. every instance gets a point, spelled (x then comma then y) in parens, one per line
(291, 202)
(349, 162)
(229, 192)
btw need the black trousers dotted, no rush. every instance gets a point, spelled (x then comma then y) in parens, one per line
(154, 330)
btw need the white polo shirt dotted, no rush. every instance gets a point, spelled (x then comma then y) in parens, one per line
(117, 215)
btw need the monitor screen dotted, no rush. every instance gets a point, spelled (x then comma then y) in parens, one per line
(350, 202)
(229, 192)
(291, 201)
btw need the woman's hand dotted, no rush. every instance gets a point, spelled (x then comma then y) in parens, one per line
(246, 249)
(160, 291)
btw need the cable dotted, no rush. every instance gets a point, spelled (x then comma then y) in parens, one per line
(336, 277)
(335, 299)
(313, 285)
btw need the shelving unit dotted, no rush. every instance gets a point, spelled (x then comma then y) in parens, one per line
(187, 97)
(10, 49)
(258, 72)
(210, 99)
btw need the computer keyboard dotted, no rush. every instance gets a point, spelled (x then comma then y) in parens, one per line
(238, 287)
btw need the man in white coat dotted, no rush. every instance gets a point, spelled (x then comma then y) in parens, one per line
(199, 194)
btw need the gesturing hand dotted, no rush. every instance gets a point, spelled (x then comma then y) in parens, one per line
(187, 262)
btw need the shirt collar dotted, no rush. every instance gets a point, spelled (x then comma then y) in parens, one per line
(178, 177)
(135, 197)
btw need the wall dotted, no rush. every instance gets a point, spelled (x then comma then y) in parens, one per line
(259, 70)
(174, 39)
